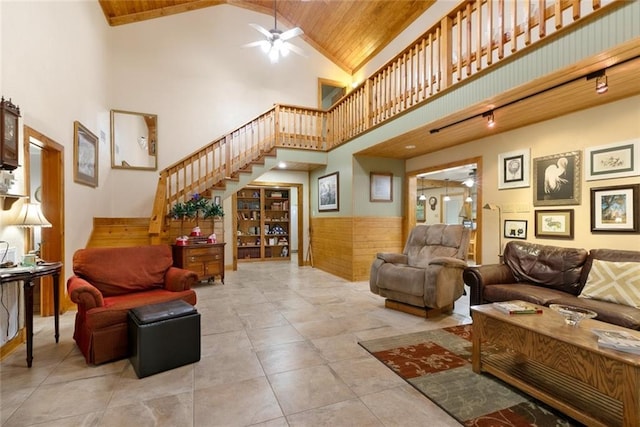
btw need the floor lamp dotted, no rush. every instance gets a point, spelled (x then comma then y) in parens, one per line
(493, 207)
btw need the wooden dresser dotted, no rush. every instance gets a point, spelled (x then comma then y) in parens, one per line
(205, 259)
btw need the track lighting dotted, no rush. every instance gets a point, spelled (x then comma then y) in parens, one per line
(491, 121)
(602, 84)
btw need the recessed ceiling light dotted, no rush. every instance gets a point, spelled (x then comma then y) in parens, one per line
(410, 147)
(282, 165)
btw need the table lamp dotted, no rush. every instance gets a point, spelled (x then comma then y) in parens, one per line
(31, 216)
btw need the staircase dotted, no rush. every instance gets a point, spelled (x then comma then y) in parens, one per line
(453, 50)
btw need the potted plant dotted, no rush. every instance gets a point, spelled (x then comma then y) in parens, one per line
(213, 211)
(179, 211)
(194, 205)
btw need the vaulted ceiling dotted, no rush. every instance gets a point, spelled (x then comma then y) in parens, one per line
(349, 33)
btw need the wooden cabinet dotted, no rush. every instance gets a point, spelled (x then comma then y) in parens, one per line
(262, 224)
(205, 259)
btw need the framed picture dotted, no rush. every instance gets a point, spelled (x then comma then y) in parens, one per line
(515, 229)
(557, 179)
(615, 209)
(557, 224)
(514, 169)
(617, 160)
(85, 155)
(381, 187)
(328, 193)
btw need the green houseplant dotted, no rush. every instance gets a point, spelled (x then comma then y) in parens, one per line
(213, 211)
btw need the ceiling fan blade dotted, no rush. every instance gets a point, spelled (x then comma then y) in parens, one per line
(262, 31)
(259, 43)
(289, 34)
(295, 49)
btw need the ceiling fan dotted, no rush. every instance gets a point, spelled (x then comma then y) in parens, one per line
(276, 43)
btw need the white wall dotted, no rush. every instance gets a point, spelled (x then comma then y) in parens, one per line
(192, 71)
(61, 62)
(54, 67)
(609, 123)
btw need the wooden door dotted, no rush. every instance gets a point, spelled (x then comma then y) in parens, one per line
(51, 196)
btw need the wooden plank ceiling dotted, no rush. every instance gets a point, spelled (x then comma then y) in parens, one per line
(349, 33)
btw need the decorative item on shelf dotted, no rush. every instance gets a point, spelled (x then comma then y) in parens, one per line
(285, 251)
(196, 232)
(212, 238)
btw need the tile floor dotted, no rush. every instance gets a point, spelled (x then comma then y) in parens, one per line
(279, 348)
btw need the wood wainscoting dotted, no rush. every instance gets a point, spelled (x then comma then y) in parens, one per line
(346, 246)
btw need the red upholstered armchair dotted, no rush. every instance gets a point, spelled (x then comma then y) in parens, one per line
(110, 281)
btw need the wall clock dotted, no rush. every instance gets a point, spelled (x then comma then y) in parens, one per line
(9, 114)
(433, 202)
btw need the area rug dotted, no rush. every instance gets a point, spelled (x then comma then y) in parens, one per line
(438, 364)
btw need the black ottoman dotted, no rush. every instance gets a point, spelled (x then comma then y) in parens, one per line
(163, 336)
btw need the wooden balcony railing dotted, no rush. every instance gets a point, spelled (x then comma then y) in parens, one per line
(470, 39)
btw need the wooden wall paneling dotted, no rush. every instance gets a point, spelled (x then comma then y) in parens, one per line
(370, 236)
(332, 245)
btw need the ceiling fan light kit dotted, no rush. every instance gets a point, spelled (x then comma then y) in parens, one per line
(275, 44)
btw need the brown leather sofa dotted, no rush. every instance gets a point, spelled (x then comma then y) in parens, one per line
(108, 282)
(549, 275)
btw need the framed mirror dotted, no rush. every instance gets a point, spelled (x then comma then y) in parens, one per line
(134, 140)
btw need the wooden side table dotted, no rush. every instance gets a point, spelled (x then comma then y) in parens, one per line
(27, 276)
(204, 259)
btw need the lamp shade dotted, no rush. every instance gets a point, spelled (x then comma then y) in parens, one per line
(31, 216)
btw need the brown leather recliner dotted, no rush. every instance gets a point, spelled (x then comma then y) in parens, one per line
(428, 274)
(108, 282)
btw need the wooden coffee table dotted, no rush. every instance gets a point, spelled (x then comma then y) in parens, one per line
(559, 364)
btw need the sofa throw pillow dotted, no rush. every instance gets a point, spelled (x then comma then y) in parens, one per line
(617, 282)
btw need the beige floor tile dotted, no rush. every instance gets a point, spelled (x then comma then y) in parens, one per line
(308, 388)
(238, 404)
(168, 411)
(288, 357)
(131, 389)
(266, 337)
(350, 413)
(339, 347)
(226, 368)
(56, 401)
(224, 343)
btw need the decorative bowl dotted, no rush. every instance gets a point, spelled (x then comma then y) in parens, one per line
(573, 315)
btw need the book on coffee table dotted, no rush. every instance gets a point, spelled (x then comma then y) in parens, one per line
(517, 307)
(618, 340)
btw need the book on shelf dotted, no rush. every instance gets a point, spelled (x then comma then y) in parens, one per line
(517, 307)
(618, 340)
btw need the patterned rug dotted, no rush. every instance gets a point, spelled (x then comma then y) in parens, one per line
(438, 364)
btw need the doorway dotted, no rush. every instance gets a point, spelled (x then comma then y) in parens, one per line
(44, 178)
(451, 194)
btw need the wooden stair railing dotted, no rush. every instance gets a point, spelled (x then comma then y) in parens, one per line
(470, 39)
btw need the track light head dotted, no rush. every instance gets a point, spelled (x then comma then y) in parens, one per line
(491, 121)
(602, 85)
(602, 82)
